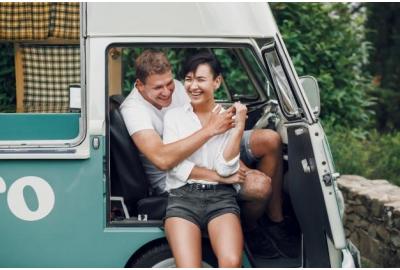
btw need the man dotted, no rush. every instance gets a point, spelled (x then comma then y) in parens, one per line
(143, 110)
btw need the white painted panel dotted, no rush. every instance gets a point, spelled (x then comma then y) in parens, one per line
(180, 19)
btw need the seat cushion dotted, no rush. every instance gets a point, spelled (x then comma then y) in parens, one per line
(128, 178)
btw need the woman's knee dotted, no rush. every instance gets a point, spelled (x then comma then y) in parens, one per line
(230, 261)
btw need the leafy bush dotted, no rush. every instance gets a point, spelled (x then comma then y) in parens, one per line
(7, 78)
(383, 24)
(372, 155)
(327, 42)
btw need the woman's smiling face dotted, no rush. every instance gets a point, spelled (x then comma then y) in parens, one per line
(201, 84)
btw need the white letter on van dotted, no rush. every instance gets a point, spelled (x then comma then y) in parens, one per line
(44, 193)
(2, 185)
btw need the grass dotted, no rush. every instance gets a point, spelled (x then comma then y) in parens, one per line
(369, 154)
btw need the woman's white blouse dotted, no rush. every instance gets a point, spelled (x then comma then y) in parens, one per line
(182, 122)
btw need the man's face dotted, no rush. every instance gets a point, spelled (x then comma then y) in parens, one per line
(157, 89)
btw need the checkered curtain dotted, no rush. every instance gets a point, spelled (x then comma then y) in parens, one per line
(39, 21)
(49, 70)
(24, 20)
(65, 21)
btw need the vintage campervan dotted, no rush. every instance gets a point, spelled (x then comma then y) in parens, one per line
(72, 189)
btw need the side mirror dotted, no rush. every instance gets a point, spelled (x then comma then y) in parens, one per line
(311, 89)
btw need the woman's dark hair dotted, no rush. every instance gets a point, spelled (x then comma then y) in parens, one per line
(193, 62)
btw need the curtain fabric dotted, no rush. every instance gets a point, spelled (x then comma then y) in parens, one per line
(24, 20)
(66, 21)
(49, 70)
(39, 21)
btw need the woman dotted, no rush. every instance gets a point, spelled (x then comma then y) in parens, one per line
(195, 204)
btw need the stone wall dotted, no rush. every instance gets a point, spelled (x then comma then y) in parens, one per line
(372, 218)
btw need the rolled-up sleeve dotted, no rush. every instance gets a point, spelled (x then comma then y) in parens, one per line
(226, 168)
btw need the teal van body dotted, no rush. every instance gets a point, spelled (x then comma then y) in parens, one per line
(73, 233)
(44, 126)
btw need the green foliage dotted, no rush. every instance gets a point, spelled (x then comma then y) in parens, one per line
(372, 155)
(383, 24)
(7, 78)
(387, 109)
(327, 42)
(234, 75)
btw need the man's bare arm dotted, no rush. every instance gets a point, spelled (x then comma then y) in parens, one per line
(167, 156)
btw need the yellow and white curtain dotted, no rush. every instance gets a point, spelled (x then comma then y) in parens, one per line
(49, 71)
(39, 21)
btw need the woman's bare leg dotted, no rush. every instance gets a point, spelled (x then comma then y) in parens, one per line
(184, 238)
(226, 239)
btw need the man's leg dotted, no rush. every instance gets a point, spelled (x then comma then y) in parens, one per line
(266, 145)
(254, 195)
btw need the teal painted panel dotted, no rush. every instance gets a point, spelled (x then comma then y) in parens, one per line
(39, 126)
(74, 232)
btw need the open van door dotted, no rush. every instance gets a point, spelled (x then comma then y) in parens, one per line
(311, 175)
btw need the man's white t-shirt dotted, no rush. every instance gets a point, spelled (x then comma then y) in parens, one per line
(139, 114)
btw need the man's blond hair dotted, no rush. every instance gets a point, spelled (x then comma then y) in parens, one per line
(151, 62)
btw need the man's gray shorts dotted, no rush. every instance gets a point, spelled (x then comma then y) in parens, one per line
(245, 151)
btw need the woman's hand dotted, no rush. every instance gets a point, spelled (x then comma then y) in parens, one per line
(240, 115)
(232, 147)
(219, 122)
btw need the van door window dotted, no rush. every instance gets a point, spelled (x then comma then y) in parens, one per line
(238, 64)
(40, 76)
(281, 82)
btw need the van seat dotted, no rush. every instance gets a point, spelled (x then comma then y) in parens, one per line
(128, 179)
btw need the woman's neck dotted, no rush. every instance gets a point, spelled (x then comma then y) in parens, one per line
(203, 111)
(204, 108)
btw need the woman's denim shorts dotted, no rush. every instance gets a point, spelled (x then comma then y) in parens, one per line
(199, 206)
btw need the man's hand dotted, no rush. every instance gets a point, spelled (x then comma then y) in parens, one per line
(237, 178)
(220, 122)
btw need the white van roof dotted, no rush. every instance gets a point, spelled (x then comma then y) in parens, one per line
(180, 19)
